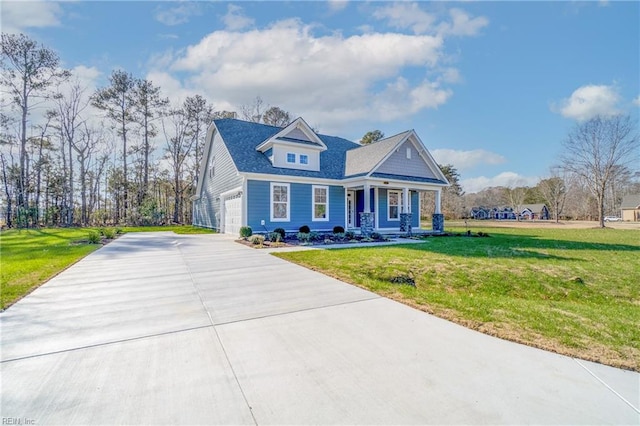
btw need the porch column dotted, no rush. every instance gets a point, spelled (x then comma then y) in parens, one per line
(366, 217)
(405, 215)
(437, 221)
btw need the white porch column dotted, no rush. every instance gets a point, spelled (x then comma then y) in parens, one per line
(367, 198)
(405, 200)
(438, 201)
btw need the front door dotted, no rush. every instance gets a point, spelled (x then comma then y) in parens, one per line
(351, 209)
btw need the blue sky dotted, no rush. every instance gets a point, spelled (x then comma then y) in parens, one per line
(491, 87)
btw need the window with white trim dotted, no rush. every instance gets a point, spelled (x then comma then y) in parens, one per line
(291, 158)
(408, 153)
(393, 205)
(212, 167)
(280, 202)
(304, 159)
(320, 203)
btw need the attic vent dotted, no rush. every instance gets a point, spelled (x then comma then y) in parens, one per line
(408, 153)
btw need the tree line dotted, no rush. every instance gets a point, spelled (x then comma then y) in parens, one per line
(122, 154)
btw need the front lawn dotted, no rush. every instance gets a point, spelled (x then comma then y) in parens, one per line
(29, 257)
(575, 292)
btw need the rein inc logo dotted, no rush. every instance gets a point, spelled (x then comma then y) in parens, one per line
(18, 421)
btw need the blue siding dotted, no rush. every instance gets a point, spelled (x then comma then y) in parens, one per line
(258, 206)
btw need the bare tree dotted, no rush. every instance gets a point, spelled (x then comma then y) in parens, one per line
(276, 116)
(554, 192)
(179, 144)
(198, 114)
(597, 150)
(28, 69)
(118, 102)
(514, 196)
(253, 111)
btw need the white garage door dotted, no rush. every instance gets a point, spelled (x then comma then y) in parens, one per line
(232, 214)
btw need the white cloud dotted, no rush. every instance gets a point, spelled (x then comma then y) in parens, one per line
(235, 20)
(330, 79)
(588, 101)
(466, 160)
(462, 24)
(177, 15)
(18, 16)
(337, 5)
(636, 101)
(406, 16)
(506, 179)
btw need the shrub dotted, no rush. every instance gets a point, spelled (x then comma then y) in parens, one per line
(339, 236)
(280, 231)
(257, 240)
(314, 236)
(118, 231)
(274, 237)
(304, 229)
(246, 232)
(304, 237)
(94, 237)
(338, 229)
(349, 235)
(109, 233)
(376, 236)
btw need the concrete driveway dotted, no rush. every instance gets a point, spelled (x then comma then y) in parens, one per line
(157, 328)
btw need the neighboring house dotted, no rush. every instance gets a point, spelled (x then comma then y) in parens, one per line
(480, 213)
(534, 212)
(630, 208)
(268, 177)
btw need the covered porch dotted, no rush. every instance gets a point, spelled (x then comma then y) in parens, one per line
(390, 206)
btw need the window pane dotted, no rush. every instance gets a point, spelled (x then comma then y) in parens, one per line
(291, 158)
(393, 212)
(393, 198)
(320, 211)
(279, 210)
(280, 193)
(321, 195)
(304, 159)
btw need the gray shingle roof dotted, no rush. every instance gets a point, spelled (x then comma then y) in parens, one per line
(536, 208)
(631, 201)
(364, 158)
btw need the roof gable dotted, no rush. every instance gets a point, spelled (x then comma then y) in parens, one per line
(379, 158)
(296, 133)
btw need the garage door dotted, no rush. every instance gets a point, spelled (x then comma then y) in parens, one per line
(232, 214)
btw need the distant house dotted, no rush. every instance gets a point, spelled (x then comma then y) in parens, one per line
(630, 208)
(268, 177)
(480, 213)
(534, 212)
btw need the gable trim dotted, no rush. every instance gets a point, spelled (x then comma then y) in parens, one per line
(300, 124)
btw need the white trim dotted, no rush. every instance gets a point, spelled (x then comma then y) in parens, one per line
(288, 218)
(398, 206)
(313, 203)
(292, 179)
(298, 123)
(294, 157)
(376, 202)
(230, 192)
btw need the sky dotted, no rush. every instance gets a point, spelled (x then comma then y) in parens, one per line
(492, 88)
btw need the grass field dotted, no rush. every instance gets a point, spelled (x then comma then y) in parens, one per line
(29, 257)
(572, 291)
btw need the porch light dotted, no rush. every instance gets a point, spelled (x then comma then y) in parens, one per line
(385, 183)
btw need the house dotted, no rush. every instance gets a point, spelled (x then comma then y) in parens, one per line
(269, 177)
(630, 208)
(534, 212)
(480, 213)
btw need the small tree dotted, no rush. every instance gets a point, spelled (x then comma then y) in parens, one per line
(598, 150)
(371, 137)
(554, 192)
(275, 116)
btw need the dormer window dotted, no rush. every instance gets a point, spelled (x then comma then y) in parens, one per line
(304, 159)
(291, 158)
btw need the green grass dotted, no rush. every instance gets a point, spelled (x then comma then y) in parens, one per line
(575, 292)
(29, 257)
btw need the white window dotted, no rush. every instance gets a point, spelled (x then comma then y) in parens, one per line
(320, 203)
(291, 157)
(393, 205)
(280, 202)
(408, 153)
(304, 159)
